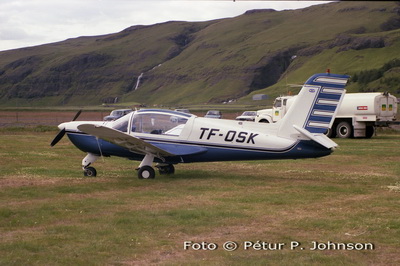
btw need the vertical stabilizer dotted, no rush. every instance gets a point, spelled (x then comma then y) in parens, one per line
(316, 105)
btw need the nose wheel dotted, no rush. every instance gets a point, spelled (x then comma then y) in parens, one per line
(88, 160)
(90, 172)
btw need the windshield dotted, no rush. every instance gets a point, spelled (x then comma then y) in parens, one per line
(249, 113)
(213, 112)
(183, 111)
(121, 124)
(120, 112)
(277, 103)
(116, 113)
(168, 123)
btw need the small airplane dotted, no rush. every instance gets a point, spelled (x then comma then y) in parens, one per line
(169, 137)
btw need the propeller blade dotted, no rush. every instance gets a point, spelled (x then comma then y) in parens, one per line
(59, 136)
(77, 115)
(62, 132)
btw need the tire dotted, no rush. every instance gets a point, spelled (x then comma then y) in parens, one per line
(167, 169)
(369, 132)
(344, 130)
(146, 172)
(90, 172)
(263, 121)
(331, 132)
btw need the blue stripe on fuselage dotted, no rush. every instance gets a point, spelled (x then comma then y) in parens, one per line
(301, 149)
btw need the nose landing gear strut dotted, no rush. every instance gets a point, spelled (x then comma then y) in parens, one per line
(86, 162)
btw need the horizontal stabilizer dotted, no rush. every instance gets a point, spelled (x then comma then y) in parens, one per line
(317, 137)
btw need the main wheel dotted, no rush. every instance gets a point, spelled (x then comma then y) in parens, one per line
(146, 172)
(90, 172)
(166, 169)
(344, 130)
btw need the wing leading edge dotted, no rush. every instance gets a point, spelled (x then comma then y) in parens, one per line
(137, 145)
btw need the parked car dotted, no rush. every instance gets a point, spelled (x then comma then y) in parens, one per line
(214, 114)
(115, 114)
(176, 119)
(247, 116)
(186, 111)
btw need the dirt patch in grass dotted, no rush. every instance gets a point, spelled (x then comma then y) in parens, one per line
(30, 181)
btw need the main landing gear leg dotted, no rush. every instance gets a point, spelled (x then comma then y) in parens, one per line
(86, 162)
(145, 171)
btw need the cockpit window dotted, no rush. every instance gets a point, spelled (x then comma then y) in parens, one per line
(158, 123)
(121, 124)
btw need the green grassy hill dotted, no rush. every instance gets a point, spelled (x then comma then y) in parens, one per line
(261, 51)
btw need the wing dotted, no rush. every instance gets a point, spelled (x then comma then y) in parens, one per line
(138, 145)
(122, 139)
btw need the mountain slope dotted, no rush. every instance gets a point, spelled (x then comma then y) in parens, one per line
(181, 62)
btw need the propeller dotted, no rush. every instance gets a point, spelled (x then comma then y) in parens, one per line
(62, 132)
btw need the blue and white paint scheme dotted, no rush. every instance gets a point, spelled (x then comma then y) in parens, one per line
(169, 137)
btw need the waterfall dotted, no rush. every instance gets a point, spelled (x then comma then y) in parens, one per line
(138, 81)
(141, 76)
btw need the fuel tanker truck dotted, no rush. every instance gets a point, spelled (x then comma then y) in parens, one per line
(357, 116)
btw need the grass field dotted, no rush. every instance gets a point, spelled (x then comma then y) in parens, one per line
(51, 215)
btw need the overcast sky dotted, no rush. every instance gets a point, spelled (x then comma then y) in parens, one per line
(32, 22)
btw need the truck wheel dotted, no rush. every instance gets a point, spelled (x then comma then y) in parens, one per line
(344, 130)
(263, 121)
(369, 132)
(331, 132)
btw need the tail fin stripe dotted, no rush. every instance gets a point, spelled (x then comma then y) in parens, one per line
(329, 96)
(326, 119)
(330, 108)
(340, 82)
(322, 113)
(332, 90)
(318, 125)
(327, 102)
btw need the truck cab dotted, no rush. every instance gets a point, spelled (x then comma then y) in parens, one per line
(279, 109)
